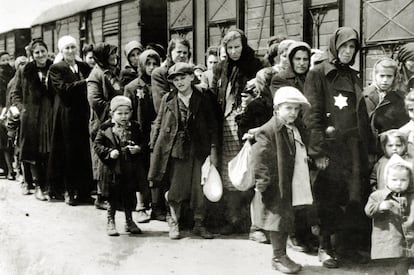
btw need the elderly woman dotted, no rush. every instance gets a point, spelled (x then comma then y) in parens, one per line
(405, 60)
(132, 51)
(340, 138)
(230, 78)
(70, 168)
(103, 85)
(34, 99)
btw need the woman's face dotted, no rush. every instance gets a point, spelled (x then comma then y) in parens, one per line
(89, 59)
(150, 65)
(234, 49)
(211, 61)
(113, 59)
(180, 53)
(40, 55)
(300, 62)
(347, 51)
(133, 57)
(69, 52)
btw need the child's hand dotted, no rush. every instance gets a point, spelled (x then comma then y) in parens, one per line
(134, 149)
(114, 154)
(387, 205)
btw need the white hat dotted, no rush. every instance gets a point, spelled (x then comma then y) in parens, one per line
(290, 94)
(66, 40)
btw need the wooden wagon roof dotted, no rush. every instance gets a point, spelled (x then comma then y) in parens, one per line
(69, 9)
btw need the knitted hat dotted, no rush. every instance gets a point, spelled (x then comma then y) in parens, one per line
(131, 46)
(290, 95)
(120, 100)
(180, 68)
(396, 160)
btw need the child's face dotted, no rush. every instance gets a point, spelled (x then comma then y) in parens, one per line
(150, 65)
(398, 179)
(211, 61)
(122, 115)
(394, 146)
(288, 111)
(410, 110)
(384, 77)
(246, 98)
(183, 82)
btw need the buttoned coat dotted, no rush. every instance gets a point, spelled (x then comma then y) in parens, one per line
(70, 158)
(202, 131)
(27, 95)
(392, 231)
(273, 160)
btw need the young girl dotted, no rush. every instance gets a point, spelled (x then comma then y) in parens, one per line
(392, 142)
(184, 134)
(393, 216)
(281, 172)
(118, 145)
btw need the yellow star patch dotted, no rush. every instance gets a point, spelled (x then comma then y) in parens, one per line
(341, 101)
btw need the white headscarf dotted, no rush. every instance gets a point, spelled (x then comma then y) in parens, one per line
(62, 43)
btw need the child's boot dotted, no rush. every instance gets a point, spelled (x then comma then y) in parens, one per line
(130, 225)
(172, 220)
(280, 260)
(111, 229)
(326, 254)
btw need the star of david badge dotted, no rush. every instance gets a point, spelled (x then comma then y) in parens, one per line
(341, 101)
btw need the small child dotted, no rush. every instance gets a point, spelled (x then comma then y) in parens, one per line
(118, 145)
(392, 142)
(408, 128)
(392, 212)
(183, 135)
(281, 172)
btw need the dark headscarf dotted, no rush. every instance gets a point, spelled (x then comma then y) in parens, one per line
(247, 62)
(340, 37)
(406, 52)
(101, 53)
(36, 42)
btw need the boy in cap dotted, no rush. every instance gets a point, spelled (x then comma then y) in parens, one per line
(281, 173)
(118, 144)
(183, 135)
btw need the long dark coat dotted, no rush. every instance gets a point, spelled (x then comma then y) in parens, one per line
(202, 129)
(392, 231)
(159, 85)
(387, 114)
(129, 167)
(273, 160)
(70, 159)
(28, 95)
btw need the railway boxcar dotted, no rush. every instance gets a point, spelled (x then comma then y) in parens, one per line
(14, 41)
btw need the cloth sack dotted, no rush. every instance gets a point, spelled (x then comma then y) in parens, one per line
(239, 173)
(211, 181)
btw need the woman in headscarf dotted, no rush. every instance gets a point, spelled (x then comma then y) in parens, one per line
(340, 139)
(103, 85)
(405, 58)
(34, 99)
(70, 169)
(229, 81)
(133, 49)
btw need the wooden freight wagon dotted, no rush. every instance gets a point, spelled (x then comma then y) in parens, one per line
(113, 21)
(14, 41)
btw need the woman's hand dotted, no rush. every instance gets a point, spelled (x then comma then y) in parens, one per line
(114, 154)
(321, 163)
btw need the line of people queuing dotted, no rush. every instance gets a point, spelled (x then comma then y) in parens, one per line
(139, 136)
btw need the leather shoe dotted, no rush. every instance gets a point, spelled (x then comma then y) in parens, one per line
(296, 245)
(39, 194)
(25, 189)
(258, 236)
(202, 232)
(326, 259)
(142, 216)
(285, 265)
(70, 199)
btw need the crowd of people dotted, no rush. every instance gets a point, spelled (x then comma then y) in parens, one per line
(327, 155)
